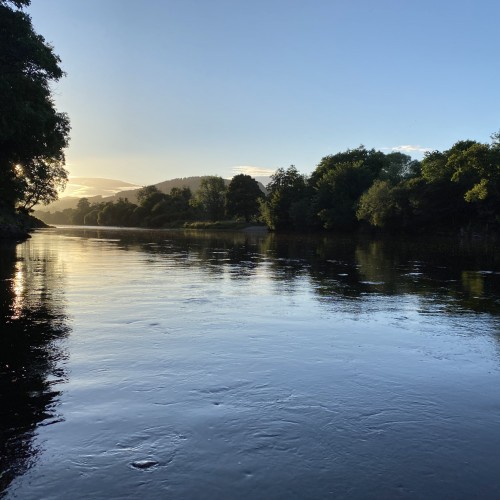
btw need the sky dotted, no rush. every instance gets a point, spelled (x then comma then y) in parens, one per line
(174, 88)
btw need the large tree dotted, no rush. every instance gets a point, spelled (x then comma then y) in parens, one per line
(33, 134)
(242, 197)
(286, 192)
(468, 178)
(339, 180)
(211, 197)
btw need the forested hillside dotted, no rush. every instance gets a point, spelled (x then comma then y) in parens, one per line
(455, 190)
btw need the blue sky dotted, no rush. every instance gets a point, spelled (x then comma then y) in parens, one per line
(174, 88)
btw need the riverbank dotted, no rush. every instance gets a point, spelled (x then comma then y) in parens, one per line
(229, 225)
(17, 227)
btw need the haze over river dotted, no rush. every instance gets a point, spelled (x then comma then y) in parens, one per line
(185, 365)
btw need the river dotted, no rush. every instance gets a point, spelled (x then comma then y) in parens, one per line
(186, 365)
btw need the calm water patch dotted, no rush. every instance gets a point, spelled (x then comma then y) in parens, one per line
(198, 365)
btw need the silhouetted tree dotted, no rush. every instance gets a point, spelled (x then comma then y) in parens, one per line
(242, 197)
(41, 182)
(33, 134)
(83, 207)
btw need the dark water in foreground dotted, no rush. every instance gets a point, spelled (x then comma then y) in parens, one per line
(138, 364)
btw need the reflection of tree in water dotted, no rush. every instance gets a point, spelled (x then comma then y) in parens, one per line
(333, 270)
(342, 269)
(33, 324)
(290, 259)
(454, 275)
(461, 276)
(217, 253)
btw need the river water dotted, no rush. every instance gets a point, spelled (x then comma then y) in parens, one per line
(184, 365)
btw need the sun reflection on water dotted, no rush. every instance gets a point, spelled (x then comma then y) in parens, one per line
(19, 290)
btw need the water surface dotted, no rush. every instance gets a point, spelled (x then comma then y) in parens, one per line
(195, 365)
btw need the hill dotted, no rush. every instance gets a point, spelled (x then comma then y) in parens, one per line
(88, 185)
(192, 183)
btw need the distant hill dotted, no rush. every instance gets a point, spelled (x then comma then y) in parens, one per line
(66, 202)
(192, 183)
(93, 188)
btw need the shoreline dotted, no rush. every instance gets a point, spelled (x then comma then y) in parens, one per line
(17, 227)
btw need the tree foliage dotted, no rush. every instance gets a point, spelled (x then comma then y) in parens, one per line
(378, 205)
(33, 134)
(242, 197)
(17, 3)
(211, 197)
(452, 189)
(455, 189)
(339, 181)
(156, 209)
(286, 189)
(468, 178)
(41, 180)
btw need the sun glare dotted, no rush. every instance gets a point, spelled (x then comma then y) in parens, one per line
(18, 287)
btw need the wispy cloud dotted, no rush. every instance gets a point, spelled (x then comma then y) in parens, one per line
(409, 148)
(253, 171)
(82, 187)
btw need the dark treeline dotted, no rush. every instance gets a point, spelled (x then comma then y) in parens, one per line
(214, 201)
(33, 133)
(453, 190)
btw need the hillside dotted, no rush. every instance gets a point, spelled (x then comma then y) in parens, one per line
(192, 183)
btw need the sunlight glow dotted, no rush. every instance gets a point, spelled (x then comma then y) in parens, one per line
(19, 288)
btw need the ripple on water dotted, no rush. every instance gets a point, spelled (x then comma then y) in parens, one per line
(144, 464)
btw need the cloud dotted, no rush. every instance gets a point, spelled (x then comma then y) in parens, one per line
(253, 171)
(84, 187)
(409, 148)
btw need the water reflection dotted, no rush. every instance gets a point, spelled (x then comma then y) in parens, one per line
(32, 325)
(291, 366)
(462, 276)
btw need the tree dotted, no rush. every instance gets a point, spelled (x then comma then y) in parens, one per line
(119, 213)
(211, 197)
(286, 189)
(33, 134)
(337, 193)
(467, 178)
(372, 161)
(378, 205)
(495, 140)
(17, 3)
(83, 207)
(398, 166)
(242, 197)
(149, 196)
(41, 182)
(339, 180)
(180, 208)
